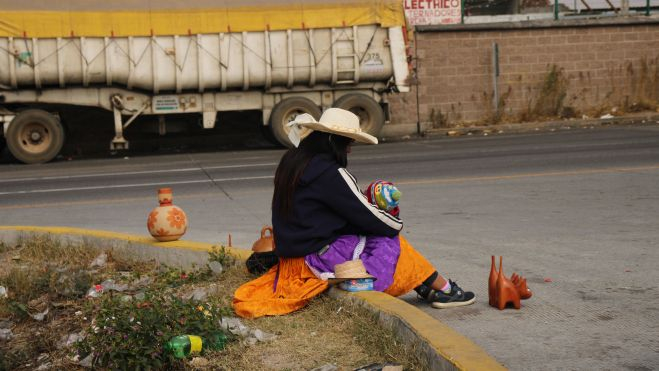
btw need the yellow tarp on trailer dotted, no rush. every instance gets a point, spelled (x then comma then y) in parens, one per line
(65, 18)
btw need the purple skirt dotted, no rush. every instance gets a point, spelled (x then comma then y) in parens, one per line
(379, 255)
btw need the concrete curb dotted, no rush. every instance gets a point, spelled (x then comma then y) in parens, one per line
(441, 347)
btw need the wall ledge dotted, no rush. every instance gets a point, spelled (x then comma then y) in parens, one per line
(544, 23)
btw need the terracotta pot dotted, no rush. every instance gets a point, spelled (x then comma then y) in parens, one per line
(266, 243)
(167, 222)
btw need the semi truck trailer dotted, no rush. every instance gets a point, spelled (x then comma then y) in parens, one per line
(279, 57)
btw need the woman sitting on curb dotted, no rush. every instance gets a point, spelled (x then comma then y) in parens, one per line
(321, 218)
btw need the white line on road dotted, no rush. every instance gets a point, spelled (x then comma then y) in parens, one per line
(136, 172)
(50, 190)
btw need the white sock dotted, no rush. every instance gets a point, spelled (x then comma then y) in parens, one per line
(447, 288)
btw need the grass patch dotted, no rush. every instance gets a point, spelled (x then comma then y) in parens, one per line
(141, 305)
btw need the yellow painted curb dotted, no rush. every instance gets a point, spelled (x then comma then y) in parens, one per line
(180, 244)
(458, 350)
(449, 344)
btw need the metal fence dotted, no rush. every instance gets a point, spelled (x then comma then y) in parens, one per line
(483, 11)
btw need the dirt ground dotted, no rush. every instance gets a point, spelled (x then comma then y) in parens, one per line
(45, 279)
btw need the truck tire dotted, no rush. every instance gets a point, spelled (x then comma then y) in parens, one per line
(35, 136)
(285, 111)
(371, 116)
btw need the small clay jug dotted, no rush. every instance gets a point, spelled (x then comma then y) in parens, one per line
(492, 284)
(266, 243)
(167, 222)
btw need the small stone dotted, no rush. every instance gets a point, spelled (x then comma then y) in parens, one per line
(45, 366)
(42, 357)
(40, 316)
(263, 336)
(6, 334)
(215, 267)
(406, 137)
(100, 261)
(452, 133)
(607, 116)
(87, 361)
(68, 340)
(251, 341)
(3, 292)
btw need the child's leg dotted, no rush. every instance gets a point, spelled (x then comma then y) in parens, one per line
(443, 294)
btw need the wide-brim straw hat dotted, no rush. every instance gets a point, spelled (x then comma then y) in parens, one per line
(334, 121)
(350, 270)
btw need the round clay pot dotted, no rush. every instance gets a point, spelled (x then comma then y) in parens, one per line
(167, 222)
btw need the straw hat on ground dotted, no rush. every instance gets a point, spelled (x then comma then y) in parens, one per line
(334, 121)
(350, 270)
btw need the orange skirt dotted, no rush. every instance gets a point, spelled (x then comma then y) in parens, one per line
(290, 285)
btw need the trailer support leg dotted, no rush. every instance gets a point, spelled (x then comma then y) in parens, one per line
(118, 142)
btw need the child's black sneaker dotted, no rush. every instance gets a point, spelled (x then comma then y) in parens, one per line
(456, 298)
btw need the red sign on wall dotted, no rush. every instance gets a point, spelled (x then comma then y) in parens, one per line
(429, 12)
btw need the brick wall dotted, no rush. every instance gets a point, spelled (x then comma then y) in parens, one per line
(548, 72)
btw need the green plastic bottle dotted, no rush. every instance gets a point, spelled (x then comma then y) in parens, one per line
(184, 345)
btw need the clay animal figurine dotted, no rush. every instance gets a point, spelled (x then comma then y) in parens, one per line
(505, 292)
(520, 283)
(384, 195)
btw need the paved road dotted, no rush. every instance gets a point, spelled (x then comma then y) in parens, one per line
(580, 207)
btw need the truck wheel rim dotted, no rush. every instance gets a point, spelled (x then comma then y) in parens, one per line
(35, 138)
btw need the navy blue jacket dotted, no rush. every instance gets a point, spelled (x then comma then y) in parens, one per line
(327, 204)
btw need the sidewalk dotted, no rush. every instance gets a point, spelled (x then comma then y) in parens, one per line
(643, 118)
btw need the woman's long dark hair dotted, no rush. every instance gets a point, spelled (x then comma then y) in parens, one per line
(294, 162)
